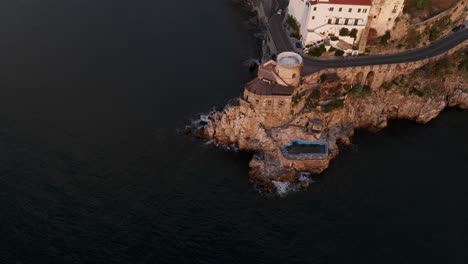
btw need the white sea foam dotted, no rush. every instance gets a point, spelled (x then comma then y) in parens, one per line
(306, 177)
(282, 188)
(204, 118)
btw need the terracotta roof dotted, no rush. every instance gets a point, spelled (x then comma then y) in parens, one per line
(342, 2)
(260, 87)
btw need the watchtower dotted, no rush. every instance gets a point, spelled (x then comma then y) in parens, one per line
(288, 68)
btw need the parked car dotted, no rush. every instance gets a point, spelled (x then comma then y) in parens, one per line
(280, 11)
(457, 28)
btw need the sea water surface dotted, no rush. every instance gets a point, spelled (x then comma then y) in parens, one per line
(94, 168)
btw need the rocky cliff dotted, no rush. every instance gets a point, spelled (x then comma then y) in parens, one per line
(419, 96)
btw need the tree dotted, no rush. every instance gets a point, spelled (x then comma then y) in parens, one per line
(384, 39)
(344, 32)
(339, 52)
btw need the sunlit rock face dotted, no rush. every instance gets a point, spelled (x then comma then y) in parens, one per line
(264, 122)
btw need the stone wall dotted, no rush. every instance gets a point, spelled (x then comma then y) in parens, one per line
(273, 110)
(375, 75)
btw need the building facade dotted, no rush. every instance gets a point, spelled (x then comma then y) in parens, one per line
(320, 18)
(384, 14)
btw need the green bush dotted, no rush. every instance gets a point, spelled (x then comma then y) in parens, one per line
(344, 32)
(437, 29)
(353, 33)
(292, 23)
(336, 104)
(383, 40)
(295, 35)
(422, 4)
(323, 78)
(339, 52)
(361, 90)
(317, 51)
(334, 38)
(315, 94)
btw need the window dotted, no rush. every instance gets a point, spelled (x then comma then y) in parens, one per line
(329, 21)
(389, 19)
(331, 8)
(294, 75)
(315, 8)
(339, 10)
(337, 21)
(364, 10)
(257, 101)
(349, 10)
(269, 103)
(313, 17)
(359, 10)
(346, 21)
(280, 104)
(356, 21)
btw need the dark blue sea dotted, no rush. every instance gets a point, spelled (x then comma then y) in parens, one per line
(94, 167)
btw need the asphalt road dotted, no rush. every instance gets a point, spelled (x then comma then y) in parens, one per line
(282, 42)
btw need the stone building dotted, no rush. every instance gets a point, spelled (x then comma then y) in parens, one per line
(271, 92)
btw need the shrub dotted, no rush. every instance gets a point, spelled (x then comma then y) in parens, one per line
(344, 32)
(339, 52)
(361, 90)
(336, 104)
(317, 51)
(353, 33)
(334, 38)
(413, 38)
(323, 78)
(292, 23)
(384, 39)
(421, 4)
(295, 35)
(315, 94)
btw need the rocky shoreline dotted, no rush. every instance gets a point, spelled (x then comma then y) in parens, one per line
(241, 126)
(418, 96)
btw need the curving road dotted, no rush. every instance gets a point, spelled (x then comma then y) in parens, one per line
(311, 65)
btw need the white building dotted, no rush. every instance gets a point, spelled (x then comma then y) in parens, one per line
(320, 18)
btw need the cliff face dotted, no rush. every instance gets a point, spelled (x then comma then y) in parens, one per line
(415, 97)
(240, 125)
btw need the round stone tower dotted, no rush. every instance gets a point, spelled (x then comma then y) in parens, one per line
(288, 68)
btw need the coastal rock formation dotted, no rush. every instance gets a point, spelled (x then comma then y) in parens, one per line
(328, 112)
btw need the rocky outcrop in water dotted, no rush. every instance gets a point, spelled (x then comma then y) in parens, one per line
(416, 96)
